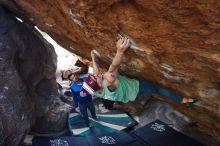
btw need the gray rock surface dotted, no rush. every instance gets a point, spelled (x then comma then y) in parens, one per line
(28, 89)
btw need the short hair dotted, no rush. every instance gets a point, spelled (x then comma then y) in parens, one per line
(84, 67)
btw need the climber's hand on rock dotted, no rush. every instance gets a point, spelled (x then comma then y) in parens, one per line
(93, 54)
(122, 44)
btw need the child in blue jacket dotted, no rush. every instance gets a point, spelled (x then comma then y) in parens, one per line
(80, 100)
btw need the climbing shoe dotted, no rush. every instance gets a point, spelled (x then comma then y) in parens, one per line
(190, 104)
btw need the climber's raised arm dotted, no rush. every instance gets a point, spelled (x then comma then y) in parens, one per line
(94, 63)
(122, 45)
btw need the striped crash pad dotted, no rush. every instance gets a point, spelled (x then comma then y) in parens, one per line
(115, 120)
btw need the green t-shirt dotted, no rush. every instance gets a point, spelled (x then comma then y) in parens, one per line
(126, 91)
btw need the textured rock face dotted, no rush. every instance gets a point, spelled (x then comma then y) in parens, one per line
(28, 90)
(175, 42)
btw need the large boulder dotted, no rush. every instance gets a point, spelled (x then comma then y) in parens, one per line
(175, 42)
(28, 89)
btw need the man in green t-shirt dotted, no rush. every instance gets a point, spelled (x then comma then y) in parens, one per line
(119, 88)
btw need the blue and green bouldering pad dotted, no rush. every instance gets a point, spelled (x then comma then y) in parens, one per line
(115, 120)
